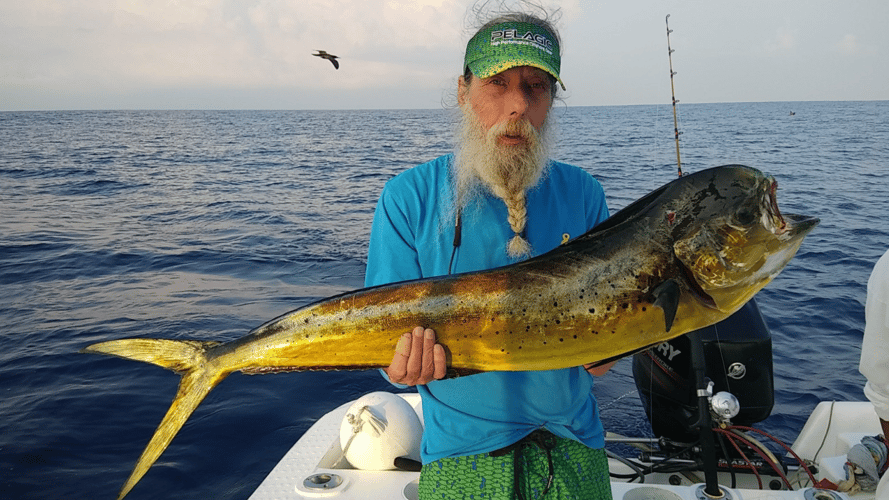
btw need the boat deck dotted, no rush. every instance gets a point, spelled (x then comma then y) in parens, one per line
(315, 468)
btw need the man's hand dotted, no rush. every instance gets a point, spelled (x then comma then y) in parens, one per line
(418, 359)
(598, 371)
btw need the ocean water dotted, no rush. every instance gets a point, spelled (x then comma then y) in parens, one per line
(205, 224)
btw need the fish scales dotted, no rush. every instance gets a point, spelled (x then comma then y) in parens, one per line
(681, 258)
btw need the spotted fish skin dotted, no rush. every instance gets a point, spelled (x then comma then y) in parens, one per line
(683, 257)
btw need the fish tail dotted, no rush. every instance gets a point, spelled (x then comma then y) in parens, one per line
(199, 376)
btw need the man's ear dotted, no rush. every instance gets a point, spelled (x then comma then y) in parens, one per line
(462, 88)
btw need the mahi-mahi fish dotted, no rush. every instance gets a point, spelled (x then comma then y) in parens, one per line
(683, 257)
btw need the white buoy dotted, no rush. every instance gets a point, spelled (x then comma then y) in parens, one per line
(378, 428)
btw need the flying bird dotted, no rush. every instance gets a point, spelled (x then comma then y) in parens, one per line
(330, 57)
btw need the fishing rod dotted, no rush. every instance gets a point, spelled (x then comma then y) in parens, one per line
(673, 92)
(698, 361)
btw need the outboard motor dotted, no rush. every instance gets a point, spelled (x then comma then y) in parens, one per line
(738, 353)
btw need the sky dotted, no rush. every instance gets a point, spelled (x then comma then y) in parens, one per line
(407, 54)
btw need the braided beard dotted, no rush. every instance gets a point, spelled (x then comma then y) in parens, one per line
(506, 170)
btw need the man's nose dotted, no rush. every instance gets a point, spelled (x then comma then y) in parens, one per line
(518, 101)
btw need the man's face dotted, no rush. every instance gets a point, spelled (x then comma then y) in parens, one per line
(518, 93)
(505, 135)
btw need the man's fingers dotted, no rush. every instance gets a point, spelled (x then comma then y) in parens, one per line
(415, 359)
(428, 370)
(418, 358)
(403, 347)
(398, 368)
(598, 371)
(441, 362)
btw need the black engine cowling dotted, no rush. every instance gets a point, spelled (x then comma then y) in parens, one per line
(738, 353)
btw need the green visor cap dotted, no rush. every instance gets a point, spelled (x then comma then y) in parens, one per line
(508, 45)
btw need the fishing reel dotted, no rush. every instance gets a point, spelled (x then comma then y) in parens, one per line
(724, 406)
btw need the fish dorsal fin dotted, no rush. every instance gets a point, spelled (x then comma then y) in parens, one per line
(666, 296)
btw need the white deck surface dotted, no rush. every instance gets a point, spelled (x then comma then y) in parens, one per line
(831, 430)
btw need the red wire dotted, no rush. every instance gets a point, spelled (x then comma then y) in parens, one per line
(776, 440)
(764, 457)
(731, 439)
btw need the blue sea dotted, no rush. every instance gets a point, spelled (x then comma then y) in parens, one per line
(205, 224)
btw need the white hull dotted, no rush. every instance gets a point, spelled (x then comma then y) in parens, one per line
(832, 429)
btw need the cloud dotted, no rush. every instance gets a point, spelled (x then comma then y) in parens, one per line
(228, 43)
(848, 45)
(782, 42)
(96, 54)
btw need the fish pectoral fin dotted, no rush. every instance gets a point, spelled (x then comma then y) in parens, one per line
(666, 296)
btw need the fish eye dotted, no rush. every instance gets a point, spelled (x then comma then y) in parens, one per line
(745, 217)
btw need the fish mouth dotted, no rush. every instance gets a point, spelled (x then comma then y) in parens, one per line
(772, 206)
(801, 224)
(792, 224)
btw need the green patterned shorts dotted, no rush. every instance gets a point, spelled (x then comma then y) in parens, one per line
(524, 471)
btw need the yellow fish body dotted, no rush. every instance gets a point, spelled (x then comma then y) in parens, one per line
(683, 257)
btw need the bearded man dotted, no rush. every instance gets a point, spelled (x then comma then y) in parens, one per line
(497, 200)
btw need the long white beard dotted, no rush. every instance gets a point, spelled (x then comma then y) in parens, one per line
(503, 169)
(507, 171)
